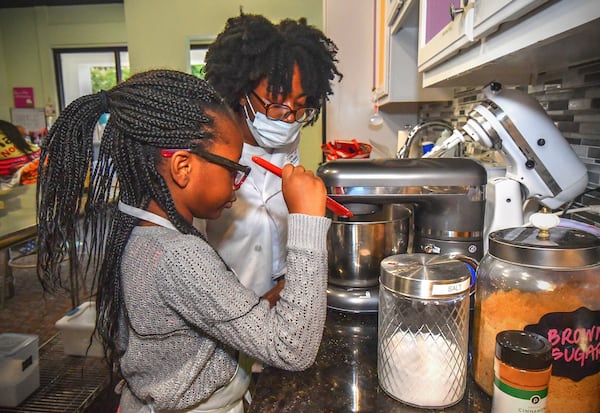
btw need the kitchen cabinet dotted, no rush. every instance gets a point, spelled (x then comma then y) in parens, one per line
(447, 26)
(438, 30)
(396, 77)
(509, 41)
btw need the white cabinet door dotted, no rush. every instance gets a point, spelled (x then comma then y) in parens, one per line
(448, 26)
(396, 75)
(440, 35)
(550, 36)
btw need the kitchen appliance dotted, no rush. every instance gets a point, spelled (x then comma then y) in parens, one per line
(445, 195)
(543, 281)
(423, 329)
(540, 164)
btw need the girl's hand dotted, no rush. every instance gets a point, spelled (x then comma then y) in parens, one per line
(273, 294)
(304, 193)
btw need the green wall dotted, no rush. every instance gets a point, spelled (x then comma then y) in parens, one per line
(29, 34)
(157, 33)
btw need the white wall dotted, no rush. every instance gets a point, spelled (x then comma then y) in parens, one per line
(350, 24)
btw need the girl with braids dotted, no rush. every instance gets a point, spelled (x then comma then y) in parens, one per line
(172, 316)
(276, 79)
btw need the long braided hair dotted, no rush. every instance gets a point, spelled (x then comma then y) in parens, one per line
(251, 48)
(151, 110)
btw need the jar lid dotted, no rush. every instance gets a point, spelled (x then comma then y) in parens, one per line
(523, 350)
(563, 248)
(425, 275)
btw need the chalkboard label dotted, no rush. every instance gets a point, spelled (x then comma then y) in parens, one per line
(575, 340)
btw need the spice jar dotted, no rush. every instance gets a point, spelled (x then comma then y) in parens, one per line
(423, 324)
(546, 282)
(522, 370)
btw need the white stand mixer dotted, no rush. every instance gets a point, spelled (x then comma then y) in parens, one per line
(540, 163)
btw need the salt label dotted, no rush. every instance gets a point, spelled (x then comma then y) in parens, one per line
(449, 289)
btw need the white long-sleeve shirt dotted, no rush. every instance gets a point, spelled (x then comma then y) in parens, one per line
(251, 236)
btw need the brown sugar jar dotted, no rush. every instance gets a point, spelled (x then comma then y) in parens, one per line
(546, 282)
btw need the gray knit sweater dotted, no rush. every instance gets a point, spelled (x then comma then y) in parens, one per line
(188, 314)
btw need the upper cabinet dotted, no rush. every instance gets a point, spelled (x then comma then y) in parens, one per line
(396, 76)
(471, 42)
(447, 26)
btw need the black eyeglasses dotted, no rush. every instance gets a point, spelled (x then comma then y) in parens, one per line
(278, 111)
(238, 172)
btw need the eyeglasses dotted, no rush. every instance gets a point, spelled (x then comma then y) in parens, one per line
(278, 111)
(238, 172)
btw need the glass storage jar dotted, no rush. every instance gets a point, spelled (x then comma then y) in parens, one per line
(546, 282)
(423, 329)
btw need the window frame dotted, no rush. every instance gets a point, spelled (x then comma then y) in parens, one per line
(197, 46)
(58, 70)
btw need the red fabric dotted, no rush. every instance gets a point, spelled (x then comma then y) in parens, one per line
(9, 166)
(340, 149)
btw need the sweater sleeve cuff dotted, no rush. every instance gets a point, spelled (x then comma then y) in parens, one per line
(307, 231)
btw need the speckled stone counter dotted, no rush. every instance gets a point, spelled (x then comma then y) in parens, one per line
(344, 377)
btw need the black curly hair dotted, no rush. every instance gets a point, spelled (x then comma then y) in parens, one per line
(151, 110)
(251, 48)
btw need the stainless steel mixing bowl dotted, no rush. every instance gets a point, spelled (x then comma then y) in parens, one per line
(357, 245)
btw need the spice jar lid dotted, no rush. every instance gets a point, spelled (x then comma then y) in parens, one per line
(523, 350)
(424, 275)
(563, 248)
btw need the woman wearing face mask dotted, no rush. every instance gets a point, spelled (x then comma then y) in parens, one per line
(275, 78)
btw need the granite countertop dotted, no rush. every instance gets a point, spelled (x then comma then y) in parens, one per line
(344, 377)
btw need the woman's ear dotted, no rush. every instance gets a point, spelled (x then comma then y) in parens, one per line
(180, 168)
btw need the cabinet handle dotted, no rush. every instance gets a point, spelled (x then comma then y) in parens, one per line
(455, 11)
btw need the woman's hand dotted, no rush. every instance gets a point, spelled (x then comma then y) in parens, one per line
(304, 193)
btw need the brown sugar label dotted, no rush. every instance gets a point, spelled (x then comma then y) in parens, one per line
(575, 340)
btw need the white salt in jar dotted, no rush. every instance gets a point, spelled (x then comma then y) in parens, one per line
(423, 326)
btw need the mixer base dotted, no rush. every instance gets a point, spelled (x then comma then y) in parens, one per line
(353, 300)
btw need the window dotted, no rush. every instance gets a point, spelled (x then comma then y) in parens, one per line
(198, 59)
(83, 71)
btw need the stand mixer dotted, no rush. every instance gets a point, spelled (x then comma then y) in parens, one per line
(446, 196)
(541, 166)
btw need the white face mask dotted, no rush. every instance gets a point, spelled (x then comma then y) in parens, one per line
(272, 134)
